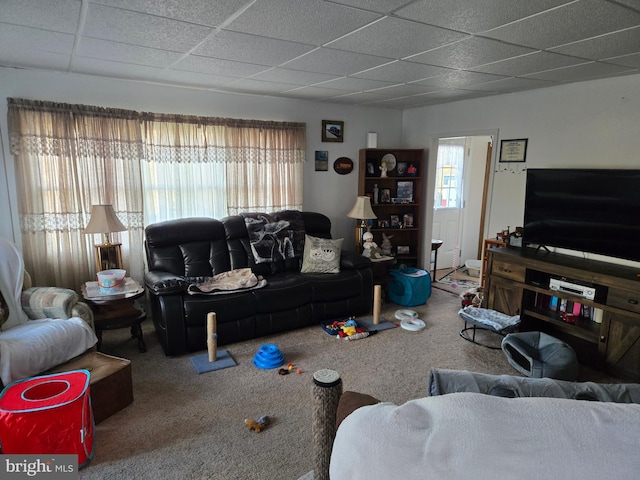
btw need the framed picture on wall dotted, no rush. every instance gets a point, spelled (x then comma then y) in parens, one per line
(332, 131)
(322, 161)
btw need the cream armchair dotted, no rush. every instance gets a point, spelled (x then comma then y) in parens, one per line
(53, 302)
(40, 327)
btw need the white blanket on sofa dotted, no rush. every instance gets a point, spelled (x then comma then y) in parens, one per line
(38, 345)
(476, 436)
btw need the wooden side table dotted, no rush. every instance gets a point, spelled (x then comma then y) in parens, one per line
(120, 310)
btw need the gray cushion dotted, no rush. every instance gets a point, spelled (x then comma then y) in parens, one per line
(536, 354)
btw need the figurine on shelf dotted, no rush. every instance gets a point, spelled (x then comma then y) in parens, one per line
(370, 248)
(383, 170)
(386, 245)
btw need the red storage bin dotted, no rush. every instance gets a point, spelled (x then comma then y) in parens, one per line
(49, 414)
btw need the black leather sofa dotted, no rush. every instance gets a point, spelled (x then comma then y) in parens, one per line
(181, 252)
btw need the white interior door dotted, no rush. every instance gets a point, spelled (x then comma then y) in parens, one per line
(457, 214)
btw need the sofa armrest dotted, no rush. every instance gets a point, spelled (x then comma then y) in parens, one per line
(164, 283)
(352, 261)
(55, 302)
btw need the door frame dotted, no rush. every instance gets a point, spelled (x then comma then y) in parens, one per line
(430, 183)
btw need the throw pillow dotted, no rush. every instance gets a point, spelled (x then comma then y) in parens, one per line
(270, 240)
(321, 255)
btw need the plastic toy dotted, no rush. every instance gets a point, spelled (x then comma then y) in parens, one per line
(257, 425)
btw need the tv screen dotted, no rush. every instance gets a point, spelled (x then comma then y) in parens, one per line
(588, 210)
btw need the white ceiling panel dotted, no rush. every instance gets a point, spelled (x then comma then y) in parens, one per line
(410, 38)
(59, 16)
(293, 77)
(570, 23)
(124, 53)
(304, 21)
(214, 66)
(401, 71)
(474, 16)
(355, 52)
(202, 12)
(335, 62)
(250, 48)
(470, 52)
(526, 64)
(145, 30)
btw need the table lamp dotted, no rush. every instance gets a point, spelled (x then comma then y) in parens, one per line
(361, 211)
(104, 220)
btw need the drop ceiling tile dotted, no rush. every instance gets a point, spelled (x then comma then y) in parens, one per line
(58, 16)
(470, 52)
(605, 46)
(508, 85)
(195, 79)
(335, 62)
(290, 20)
(256, 86)
(27, 38)
(569, 23)
(534, 62)
(459, 79)
(213, 66)
(121, 52)
(632, 61)
(39, 59)
(250, 48)
(409, 38)
(380, 6)
(314, 92)
(293, 77)
(202, 12)
(473, 16)
(145, 30)
(404, 90)
(580, 72)
(114, 69)
(355, 84)
(358, 97)
(400, 72)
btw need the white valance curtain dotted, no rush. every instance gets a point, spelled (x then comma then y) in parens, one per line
(150, 167)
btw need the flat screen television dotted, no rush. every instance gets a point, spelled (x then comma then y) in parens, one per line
(587, 210)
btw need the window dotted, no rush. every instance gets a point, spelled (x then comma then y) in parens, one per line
(448, 193)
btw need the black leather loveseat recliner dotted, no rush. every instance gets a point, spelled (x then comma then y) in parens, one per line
(181, 252)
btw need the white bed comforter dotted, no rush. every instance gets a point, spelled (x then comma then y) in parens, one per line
(38, 345)
(476, 436)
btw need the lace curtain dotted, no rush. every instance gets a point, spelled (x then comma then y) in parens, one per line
(68, 158)
(214, 167)
(150, 167)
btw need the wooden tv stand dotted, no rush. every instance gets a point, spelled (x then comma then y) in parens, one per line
(517, 282)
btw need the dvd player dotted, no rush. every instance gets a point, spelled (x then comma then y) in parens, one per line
(562, 285)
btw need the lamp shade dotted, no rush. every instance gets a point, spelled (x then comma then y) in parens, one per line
(362, 209)
(104, 220)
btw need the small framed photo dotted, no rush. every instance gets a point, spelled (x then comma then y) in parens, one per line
(401, 169)
(385, 195)
(405, 190)
(395, 221)
(403, 249)
(322, 161)
(383, 223)
(412, 171)
(407, 220)
(513, 150)
(332, 131)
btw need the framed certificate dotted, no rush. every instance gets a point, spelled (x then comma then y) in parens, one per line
(513, 150)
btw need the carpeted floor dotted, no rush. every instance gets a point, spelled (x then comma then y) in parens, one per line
(455, 281)
(190, 426)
